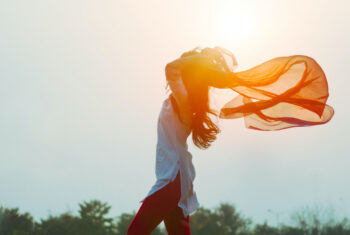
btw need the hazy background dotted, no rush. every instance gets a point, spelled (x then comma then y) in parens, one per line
(82, 84)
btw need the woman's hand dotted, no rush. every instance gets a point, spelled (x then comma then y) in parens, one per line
(172, 73)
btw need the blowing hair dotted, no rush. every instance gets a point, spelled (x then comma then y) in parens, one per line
(204, 130)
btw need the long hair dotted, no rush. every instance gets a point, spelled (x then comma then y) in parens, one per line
(204, 130)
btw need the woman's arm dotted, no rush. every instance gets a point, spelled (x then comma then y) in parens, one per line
(201, 68)
(180, 94)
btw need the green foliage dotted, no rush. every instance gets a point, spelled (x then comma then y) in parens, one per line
(14, 223)
(230, 221)
(318, 221)
(265, 229)
(224, 220)
(58, 225)
(93, 219)
(125, 220)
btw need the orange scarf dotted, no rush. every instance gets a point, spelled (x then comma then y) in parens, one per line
(280, 93)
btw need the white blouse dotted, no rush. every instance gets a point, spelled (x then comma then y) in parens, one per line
(172, 153)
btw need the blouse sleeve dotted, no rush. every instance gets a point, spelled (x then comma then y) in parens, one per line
(179, 92)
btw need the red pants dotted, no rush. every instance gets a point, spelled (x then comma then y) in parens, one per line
(159, 206)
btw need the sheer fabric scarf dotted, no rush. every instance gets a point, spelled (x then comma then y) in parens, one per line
(283, 92)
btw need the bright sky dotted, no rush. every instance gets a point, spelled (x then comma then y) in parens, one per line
(82, 84)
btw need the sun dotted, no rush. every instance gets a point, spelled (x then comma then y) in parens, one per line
(233, 24)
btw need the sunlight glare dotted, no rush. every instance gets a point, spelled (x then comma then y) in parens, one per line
(234, 26)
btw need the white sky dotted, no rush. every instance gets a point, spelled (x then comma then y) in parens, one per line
(82, 84)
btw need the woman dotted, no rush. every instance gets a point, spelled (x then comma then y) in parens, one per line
(287, 92)
(172, 198)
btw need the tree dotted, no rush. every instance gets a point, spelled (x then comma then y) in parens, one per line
(12, 222)
(265, 229)
(203, 222)
(58, 225)
(125, 219)
(93, 218)
(319, 220)
(124, 222)
(225, 220)
(231, 221)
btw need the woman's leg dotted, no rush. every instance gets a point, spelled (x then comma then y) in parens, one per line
(155, 208)
(176, 223)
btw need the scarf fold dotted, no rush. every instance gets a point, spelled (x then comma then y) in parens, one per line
(280, 93)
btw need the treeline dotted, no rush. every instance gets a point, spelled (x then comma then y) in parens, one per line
(93, 219)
